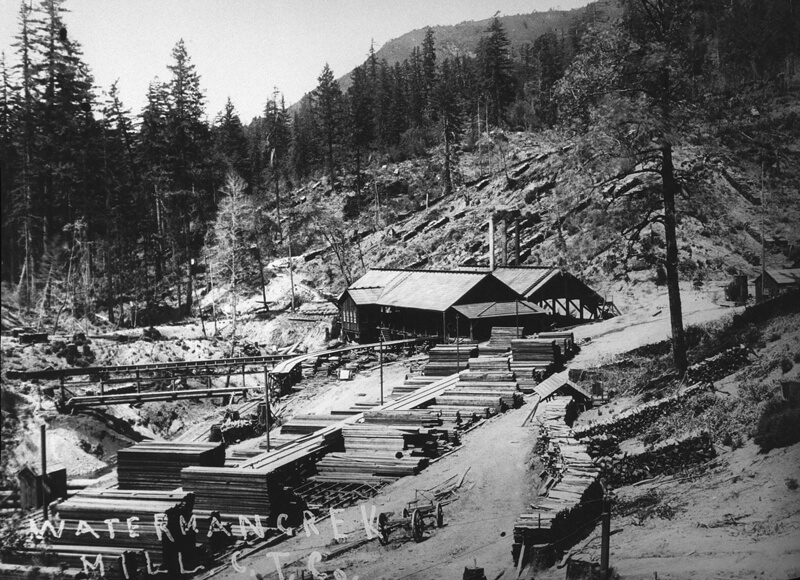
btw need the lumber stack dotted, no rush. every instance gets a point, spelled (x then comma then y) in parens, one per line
(532, 356)
(564, 339)
(23, 572)
(367, 467)
(95, 507)
(634, 421)
(231, 489)
(304, 424)
(391, 439)
(411, 384)
(445, 360)
(667, 458)
(500, 341)
(414, 417)
(157, 464)
(570, 492)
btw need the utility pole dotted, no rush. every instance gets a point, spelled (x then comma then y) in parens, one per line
(257, 253)
(380, 341)
(291, 273)
(266, 404)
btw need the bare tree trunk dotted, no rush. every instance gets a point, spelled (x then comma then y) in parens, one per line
(670, 188)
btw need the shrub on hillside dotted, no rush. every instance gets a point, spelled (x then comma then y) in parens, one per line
(778, 426)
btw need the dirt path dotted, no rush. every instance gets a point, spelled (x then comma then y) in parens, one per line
(478, 524)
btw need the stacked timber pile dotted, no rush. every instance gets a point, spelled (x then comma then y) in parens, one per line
(367, 467)
(157, 464)
(565, 341)
(238, 490)
(22, 572)
(720, 366)
(634, 421)
(305, 424)
(487, 388)
(500, 341)
(96, 508)
(446, 360)
(570, 495)
(533, 357)
(308, 367)
(411, 384)
(666, 458)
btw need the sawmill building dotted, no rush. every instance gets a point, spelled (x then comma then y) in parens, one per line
(468, 303)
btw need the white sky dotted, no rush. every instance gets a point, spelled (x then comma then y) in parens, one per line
(245, 48)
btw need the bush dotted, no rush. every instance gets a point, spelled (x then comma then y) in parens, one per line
(778, 426)
(786, 365)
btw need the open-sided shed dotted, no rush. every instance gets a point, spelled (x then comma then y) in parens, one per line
(555, 291)
(481, 317)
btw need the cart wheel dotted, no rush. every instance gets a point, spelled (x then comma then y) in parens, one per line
(439, 516)
(383, 533)
(417, 526)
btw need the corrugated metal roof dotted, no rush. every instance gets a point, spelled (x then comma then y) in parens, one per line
(524, 280)
(497, 309)
(785, 276)
(362, 296)
(429, 290)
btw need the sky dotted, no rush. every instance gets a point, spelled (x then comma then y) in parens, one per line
(244, 49)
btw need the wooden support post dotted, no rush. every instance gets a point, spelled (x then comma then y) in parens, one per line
(505, 242)
(605, 539)
(63, 390)
(44, 470)
(266, 404)
(516, 241)
(102, 387)
(491, 243)
(380, 336)
(138, 382)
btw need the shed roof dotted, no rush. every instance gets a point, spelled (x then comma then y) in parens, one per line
(527, 280)
(497, 309)
(376, 278)
(785, 276)
(429, 289)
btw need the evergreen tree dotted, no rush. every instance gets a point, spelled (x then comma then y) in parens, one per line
(360, 122)
(494, 53)
(450, 118)
(328, 107)
(230, 143)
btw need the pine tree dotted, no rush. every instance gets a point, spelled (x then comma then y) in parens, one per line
(327, 106)
(494, 54)
(450, 119)
(360, 121)
(230, 144)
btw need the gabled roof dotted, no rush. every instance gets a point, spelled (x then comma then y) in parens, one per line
(497, 309)
(785, 276)
(362, 296)
(429, 289)
(526, 280)
(376, 278)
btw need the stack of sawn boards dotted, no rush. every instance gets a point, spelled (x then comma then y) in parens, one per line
(446, 360)
(500, 341)
(156, 465)
(486, 388)
(533, 357)
(573, 498)
(411, 384)
(389, 444)
(123, 552)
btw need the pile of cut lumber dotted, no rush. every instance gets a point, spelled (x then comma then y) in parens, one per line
(416, 417)
(96, 507)
(500, 341)
(392, 439)
(445, 360)
(570, 492)
(533, 356)
(232, 489)
(411, 384)
(304, 424)
(157, 464)
(565, 341)
(367, 467)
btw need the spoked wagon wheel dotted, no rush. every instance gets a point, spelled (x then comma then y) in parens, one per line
(417, 526)
(383, 533)
(439, 516)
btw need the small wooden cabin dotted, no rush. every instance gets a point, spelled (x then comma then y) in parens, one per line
(30, 485)
(776, 282)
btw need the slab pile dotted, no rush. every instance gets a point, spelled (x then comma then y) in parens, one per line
(720, 366)
(156, 465)
(666, 458)
(570, 495)
(634, 421)
(534, 357)
(446, 360)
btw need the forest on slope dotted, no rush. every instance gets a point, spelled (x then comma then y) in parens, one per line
(109, 211)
